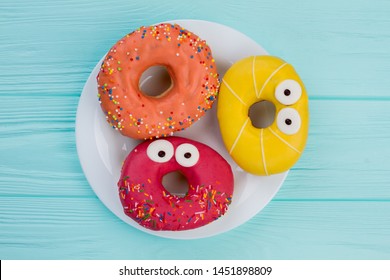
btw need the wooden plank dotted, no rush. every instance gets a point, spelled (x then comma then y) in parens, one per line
(319, 230)
(346, 156)
(334, 46)
(336, 201)
(81, 228)
(37, 148)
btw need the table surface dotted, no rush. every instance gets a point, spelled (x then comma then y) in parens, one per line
(335, 203)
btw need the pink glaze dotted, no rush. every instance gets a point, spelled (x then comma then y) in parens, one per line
(145, 199)
(193, 72)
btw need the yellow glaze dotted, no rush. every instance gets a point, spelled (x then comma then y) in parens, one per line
(260, 151)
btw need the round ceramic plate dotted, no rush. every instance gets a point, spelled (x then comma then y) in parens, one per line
(102, 149)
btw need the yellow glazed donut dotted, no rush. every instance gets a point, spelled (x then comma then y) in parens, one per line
(276, 148)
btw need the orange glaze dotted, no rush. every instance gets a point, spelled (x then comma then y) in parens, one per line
(193, 72)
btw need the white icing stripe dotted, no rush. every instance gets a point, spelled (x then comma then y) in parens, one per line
(253, 73)
(269, 78)
(284, 141)
(238, 136)
(262, 152)
(232, 91)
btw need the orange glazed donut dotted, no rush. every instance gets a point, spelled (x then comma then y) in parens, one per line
(194, 81)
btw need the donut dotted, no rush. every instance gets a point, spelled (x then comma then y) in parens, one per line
(277, 147)
(190, 65)
(145, 199)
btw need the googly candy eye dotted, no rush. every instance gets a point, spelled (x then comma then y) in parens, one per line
(160, 151)
(288, 121)
(288, 92)
(187, 155)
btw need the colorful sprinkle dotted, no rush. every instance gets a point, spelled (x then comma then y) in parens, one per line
(130, 48)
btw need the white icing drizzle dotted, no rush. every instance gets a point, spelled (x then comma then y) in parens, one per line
(258, 94)
(238, 136)
(262, 152)
(233, 92)
(284, 141)
(253, 74)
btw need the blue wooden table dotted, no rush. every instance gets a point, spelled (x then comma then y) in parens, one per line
(335, 203)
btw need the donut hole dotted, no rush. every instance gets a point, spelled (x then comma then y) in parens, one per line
(262, 114)
(176, 183)
(155, 81)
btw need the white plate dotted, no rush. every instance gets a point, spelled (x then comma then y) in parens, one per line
(102, 150)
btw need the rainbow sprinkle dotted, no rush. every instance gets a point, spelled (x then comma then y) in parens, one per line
(205, 202)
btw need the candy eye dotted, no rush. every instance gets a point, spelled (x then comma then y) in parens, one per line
(288, 121)
(160, 151)
(288, 92)
(187, 155)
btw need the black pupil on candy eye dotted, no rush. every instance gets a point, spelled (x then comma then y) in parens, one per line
(187, 155)
(288, 121)
(161, 154)
(287, 92)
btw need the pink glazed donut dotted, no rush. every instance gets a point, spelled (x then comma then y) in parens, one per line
(147, 202)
